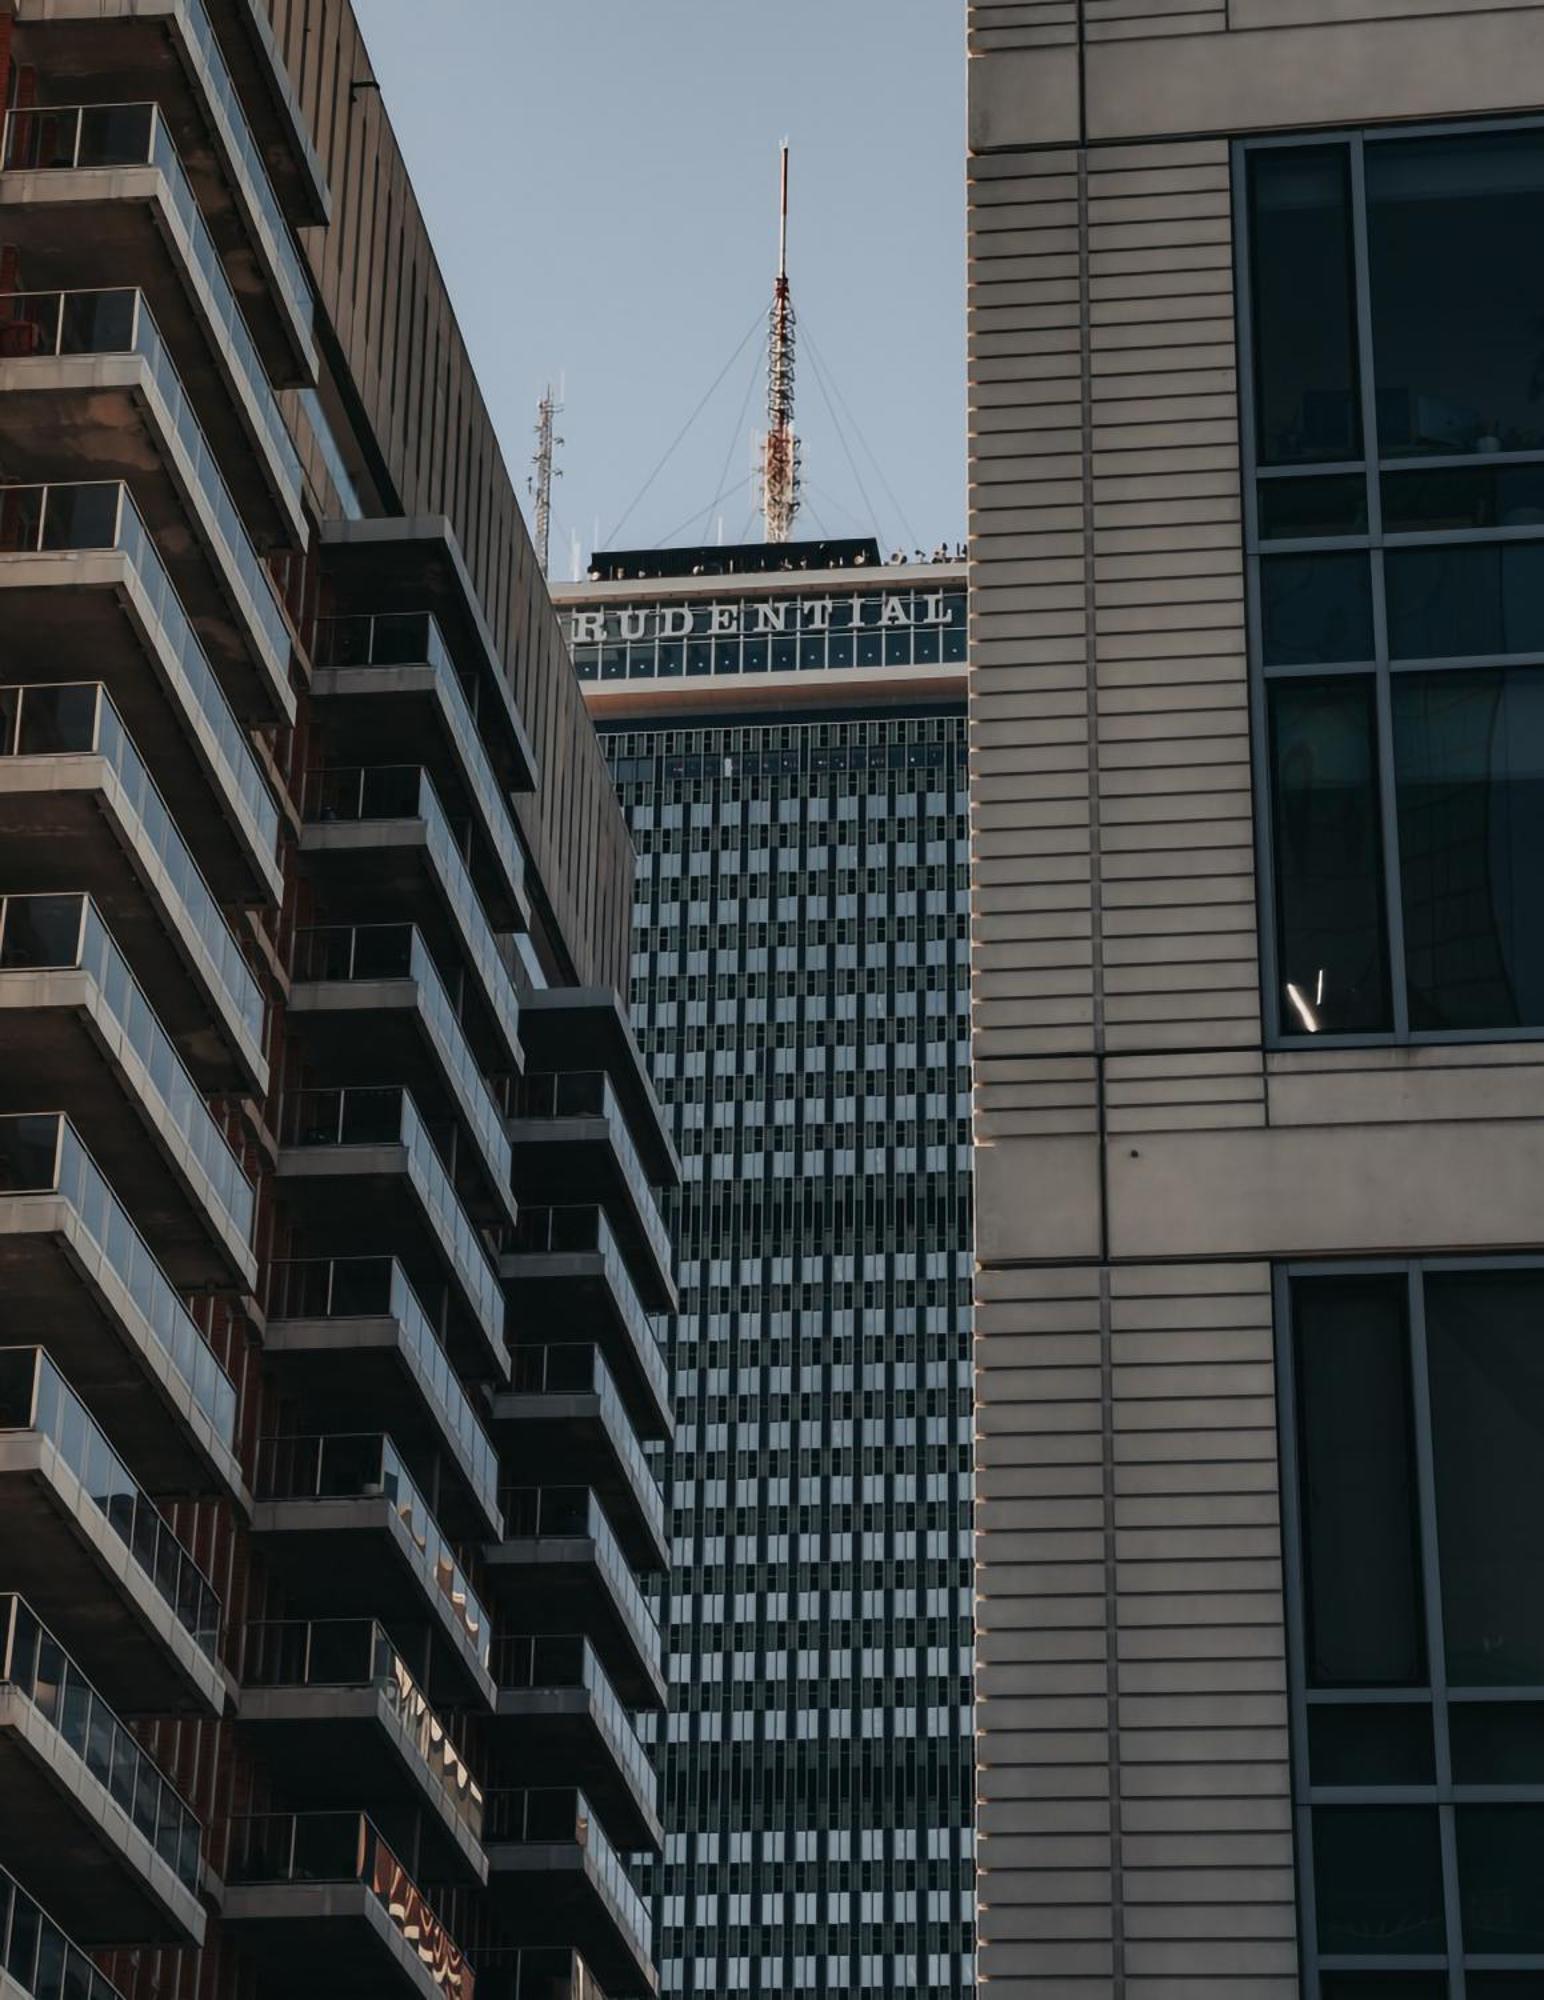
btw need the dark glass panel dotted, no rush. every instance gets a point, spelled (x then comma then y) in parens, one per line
(1306, 509)
(1384, 1986)
(1504, 1985)
(1457, 311)
(1497, 1742)
(1359, 1744)
(1363, 1614)
(1485, 1347)
(1472, 597)
(1315, 611)
(1469, 764)
(1377, 1874)
(41, 931)
(1329, 858)
(1500, 1870)
(1306, 401)
(1489, 496)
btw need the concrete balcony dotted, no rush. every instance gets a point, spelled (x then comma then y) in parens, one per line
(561, 1569)
(352, 1340)
(585, 1027)
(342, 1521)
(82, 580)
(560, 1718)
(89, 391)
(92, 1553)
(324, 1906)
(40, 1962)
(77, 1275)
(98, 196)
(558, 1879)
(273, 111)
(415, 566)
(83, 815)
(339, 1719)
(572, 1143)
(91, 1821)
(376, 1182)
(566, 1275)
(562, 1416)
(381, 849)
(387, 684)
(370, 1001)
(81, 1035)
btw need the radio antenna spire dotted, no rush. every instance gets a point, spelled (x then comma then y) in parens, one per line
(544, 470)
(780, 462)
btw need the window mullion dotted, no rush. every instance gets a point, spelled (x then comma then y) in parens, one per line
(1297, 1651)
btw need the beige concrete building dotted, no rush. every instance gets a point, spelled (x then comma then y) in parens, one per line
(1255, 426)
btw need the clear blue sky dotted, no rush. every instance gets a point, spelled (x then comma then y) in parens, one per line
(599, 178)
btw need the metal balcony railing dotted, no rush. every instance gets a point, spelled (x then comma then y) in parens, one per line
(572, 1513)
(34, 1396)
(79, 720)
(545, 1232)
(41, 1154)
(572, 1369)
(553, 1814)
(541, 1662)
(37, 1955)
(591, 1094)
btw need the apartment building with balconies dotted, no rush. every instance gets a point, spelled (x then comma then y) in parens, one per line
(331, 1411)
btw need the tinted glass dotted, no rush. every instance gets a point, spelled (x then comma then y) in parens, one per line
(1378, 1880)
(1384, 1986)
(1306, 401)
(1475, 598)
(1500, 1867)
(1303, 509)
(1485, 1346)
(1456, 312)
(1356, 1465)
(1497, 1742)
(1469, 762)
(1490, 496)
(1357, 1744)
(1503, 1985)
(1329, 858)
(1315, 610)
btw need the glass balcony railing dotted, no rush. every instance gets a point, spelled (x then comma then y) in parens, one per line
(369, 1467)
(570, 1230)
(356, 1653)
(56, 933)
(414, 639)
(522, 1663)
(406, 792)
(591, 1094)
(562, 1815)
(268, 1849)
(375, 1288)
(79, 720)
(572, 1513)
(347, 953)
(78, 138)
(387, 1116)
(41, 1154)
(581, 1370)
(34, 1396)
(76, 519)
(39, 1958)
(34, 1663)
(34, 325)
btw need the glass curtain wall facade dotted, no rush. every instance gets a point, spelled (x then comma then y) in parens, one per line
(799, 981)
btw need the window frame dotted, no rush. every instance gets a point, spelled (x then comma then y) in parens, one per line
(1372, 544)
(1445, 1797)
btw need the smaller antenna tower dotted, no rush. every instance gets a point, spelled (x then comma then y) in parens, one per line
(545, 470)
(780, 467)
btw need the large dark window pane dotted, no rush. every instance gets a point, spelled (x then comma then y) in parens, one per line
(1478, 496)
(1309, 509)
(1485, 1345)
(1473, 598)
(1457, 296)
(1501, 1879)
(1363, 1610)
(1377, 1874)
(1331, 945)
(1496, 1986)
(1315, 611)
(1469, 762)
(1306, 400)
(1362, 1743)
(1497, 1742)
(1384, 1986)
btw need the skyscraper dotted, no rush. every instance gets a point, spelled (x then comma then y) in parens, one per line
(1257, 728)
(328, 1230)
(785, 725)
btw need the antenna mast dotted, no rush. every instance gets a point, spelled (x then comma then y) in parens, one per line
(545, 471)
(780, 466)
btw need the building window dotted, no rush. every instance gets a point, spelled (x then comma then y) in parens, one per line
(1413, 1482)
(1393, 337)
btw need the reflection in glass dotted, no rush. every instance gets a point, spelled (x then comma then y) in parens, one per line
(1358, 1743)
(1378, 1881)
(1500, 1866)
(1479, 496)
(1307, 509)
(1469, 598)
(1331, 942)
(1316, 610)
(1497, 1742)
(1307, 404)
